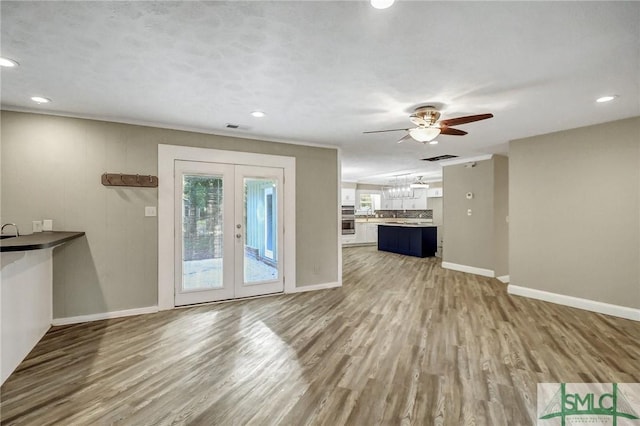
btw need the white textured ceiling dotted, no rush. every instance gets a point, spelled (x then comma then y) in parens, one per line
(324, 72)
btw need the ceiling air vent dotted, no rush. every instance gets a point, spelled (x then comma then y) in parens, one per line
(440, 158)
(232, 126)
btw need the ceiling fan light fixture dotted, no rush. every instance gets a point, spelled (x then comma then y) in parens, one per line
(382, 4)
(424, 134)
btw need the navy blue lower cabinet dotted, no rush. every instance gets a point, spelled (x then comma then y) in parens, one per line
(420, 241)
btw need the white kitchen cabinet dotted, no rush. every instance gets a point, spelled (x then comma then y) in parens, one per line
(434, 192)
(393, 204)
(366, 233)
(348, 196)
(389, 203)
(371, 232)
(417, 203)
(360, 232)
(397, 204)
(348, 238)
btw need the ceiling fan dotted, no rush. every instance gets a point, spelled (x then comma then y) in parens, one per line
(428, 127)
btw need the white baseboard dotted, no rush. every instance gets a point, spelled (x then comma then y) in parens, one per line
(345, 245)
(469, 269)
(315, 287)
(104, 315)
(503, 279)
(576, 302)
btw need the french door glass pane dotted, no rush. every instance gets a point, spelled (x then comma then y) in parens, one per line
(260, 236)
(202, 232)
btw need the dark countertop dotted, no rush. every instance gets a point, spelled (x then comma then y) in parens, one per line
(37, 240)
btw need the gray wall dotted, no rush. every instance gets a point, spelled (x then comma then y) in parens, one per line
(479, 240)
(575, 213)
(368, 187)
(500, 215)
(51, 169)
(468, 240)
(435, 204)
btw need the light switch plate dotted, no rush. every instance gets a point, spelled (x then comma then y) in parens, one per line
(150, 211)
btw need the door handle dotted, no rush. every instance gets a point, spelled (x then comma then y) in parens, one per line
(238, 235)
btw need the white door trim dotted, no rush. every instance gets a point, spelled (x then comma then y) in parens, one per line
(167, 154)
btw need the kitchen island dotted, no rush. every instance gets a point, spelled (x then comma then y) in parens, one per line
(412, 239)
(26, 293)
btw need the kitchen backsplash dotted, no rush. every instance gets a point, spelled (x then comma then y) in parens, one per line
(405, 214)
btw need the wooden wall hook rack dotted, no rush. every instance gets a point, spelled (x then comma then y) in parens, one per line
(119, 179)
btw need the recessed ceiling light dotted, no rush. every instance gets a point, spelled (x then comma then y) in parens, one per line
(40, 99)
(381, 4)
(433, 143)
(9, 63)
(606, 98)
(258, 114)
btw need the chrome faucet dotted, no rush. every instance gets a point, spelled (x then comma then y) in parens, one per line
(10, 224)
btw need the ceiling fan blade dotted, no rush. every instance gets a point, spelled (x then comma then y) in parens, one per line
(382, 131)
(405, 138)
(452, 131)
(463, 120)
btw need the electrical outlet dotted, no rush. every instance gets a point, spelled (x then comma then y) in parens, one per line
(150, 211)
(469, 212)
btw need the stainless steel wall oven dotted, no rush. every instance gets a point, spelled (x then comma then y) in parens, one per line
(348, 220)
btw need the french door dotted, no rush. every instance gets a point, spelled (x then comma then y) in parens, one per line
(228, 231)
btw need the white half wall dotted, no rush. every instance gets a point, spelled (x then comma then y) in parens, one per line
(27, 278)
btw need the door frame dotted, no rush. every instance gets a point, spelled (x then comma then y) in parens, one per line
(268, 253)
(167, 154)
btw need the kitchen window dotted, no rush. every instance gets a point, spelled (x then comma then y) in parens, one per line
(369, 202)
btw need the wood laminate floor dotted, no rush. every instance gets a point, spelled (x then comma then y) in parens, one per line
(402, 342)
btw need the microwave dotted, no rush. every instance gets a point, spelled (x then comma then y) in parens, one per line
(348, 210)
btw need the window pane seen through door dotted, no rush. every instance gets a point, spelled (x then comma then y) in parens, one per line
(260, 236)
(202, 232)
